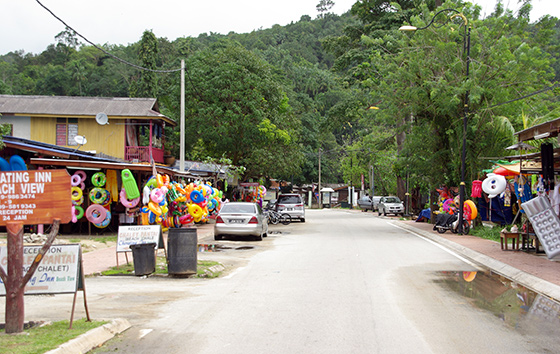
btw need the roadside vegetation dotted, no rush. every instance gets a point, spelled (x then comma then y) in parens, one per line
(161, 269)
(42, 338)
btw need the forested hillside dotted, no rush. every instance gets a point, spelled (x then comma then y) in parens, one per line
(349, 89)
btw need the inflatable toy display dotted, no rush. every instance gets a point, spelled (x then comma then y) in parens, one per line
(494, 184)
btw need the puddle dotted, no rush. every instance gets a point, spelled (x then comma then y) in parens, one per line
(517, 306)
(219, 248)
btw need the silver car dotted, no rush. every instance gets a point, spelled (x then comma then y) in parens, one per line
(390, 205)
(291, 204)
(241, 219)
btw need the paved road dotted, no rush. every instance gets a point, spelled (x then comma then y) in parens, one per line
(339, 283)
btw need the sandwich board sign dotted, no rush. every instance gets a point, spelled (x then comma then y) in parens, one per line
(35, 197)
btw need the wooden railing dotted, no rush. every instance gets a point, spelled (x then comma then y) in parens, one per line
(142, 154)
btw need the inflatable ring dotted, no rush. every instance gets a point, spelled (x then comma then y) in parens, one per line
(75, 180)
(77, 193)
(82, 174)
(98, 195)
(197, 197)
(80, 211)
(17, 163)
(128, 203)
(97, 209)
(99, 179)
(159, 180)
(154, 208)
(79, 201)
(185, 219)
(472, 210)
(196, 211)
(4, 165)
(105, 221)
(157, 196)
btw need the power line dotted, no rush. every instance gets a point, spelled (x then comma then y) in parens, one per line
(103, 50)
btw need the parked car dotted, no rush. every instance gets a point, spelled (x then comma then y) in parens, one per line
(241, 219)
(291, 204)
(368, 203)
(365, 203)
(390, 205)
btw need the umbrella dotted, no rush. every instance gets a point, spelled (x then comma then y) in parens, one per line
(521, 146)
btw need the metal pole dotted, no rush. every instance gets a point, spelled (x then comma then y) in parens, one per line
(182, 118)
(319, 187)
(464, 152)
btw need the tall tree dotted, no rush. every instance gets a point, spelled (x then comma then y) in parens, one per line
(147, 83)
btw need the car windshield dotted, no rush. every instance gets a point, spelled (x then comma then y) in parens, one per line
(392, 200)
(289, 199)
(238, 208)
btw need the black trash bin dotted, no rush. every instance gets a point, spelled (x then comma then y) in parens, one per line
(144, 258)
(182, 247)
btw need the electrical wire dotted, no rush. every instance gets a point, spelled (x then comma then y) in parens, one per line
(103, 50)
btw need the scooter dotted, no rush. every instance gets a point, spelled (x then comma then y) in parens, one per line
(450, 222)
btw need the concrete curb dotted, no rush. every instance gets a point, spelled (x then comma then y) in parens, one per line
(530, 281)
(93, 338)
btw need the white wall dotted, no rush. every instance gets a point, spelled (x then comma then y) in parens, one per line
(21, 125)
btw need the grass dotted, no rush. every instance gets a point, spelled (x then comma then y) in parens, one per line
(161, 269)
(42, 339)
(486, 232)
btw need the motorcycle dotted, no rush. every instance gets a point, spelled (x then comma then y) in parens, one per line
(450, 222)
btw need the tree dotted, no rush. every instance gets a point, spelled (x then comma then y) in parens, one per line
(236, 109)
(147, 83)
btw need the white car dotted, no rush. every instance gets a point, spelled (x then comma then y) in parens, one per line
(291, 204)
(390, 205)
(241, 219)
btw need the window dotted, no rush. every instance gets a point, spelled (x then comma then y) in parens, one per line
(66, 131)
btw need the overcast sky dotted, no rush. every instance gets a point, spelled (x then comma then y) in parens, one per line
(29, 27)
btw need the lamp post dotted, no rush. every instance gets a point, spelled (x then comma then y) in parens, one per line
(466, 49)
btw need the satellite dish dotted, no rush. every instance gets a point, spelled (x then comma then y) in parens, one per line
(101, 118)
(80, 140)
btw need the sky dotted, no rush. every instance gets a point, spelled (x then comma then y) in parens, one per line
(29, 27)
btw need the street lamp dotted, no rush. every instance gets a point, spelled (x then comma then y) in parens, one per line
(466, 49)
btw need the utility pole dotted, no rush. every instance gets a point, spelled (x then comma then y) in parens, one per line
(319, 187)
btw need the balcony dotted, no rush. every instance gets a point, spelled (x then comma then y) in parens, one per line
(142, 154)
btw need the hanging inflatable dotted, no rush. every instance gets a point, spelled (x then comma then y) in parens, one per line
(494, 184)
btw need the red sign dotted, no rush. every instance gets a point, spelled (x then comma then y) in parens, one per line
(35, 197)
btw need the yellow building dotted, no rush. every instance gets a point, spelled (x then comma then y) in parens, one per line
(130, 129)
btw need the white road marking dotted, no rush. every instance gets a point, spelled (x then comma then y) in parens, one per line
(438, 245)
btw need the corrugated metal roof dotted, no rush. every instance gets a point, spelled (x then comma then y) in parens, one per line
(88, 106)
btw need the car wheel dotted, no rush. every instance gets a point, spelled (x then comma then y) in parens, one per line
(302, 219)
(217, 237)
(265, 235)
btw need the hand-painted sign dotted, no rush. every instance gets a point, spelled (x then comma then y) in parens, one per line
(58, 272)
(136, 235)
(35, 197)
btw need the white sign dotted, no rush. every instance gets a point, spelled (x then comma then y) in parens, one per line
(136, 235)
(56, 274)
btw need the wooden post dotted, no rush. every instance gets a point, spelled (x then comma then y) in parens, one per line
(15, 281)
(14, 292)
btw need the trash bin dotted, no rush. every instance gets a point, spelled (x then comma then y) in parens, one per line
(144, 258)
(182, 250)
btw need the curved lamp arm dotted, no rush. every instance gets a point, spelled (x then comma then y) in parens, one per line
(456, 14)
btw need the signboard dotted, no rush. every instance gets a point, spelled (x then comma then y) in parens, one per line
(58, 272)
(35, 197)
(139, 234)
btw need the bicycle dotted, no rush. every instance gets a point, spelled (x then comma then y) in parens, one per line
(275, 217)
